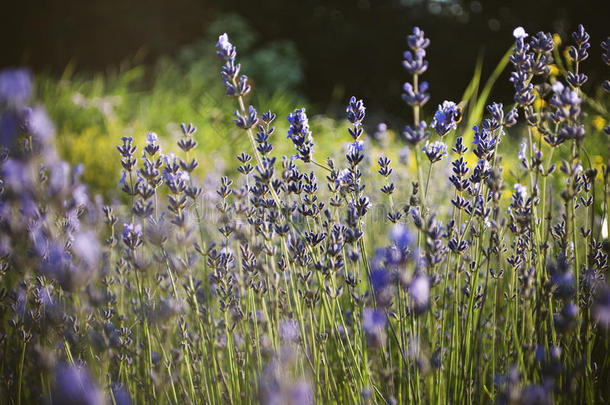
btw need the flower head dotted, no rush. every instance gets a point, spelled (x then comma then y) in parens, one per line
(300, 135)
(73, 385)
(226, 50)
(356, 147)
(519, 33)
(419, 291)
(435, 150)
(373, 323)
(401, 236)
(445, 118)
(355, 111)
(415, 136)
(15, 86)
(416, 40)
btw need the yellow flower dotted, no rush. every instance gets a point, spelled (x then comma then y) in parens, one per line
(539, 103)
(598, 162)
(599, 122)
(556, 39)
(554, 71)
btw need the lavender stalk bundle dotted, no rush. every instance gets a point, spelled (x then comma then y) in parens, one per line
(297, 282)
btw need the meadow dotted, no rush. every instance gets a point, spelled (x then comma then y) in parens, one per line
(183, 235)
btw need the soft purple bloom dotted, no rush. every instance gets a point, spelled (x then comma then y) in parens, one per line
(419, 291)
(403, 154)
(120, 396)
(289, 330)
(373, 323)
(16, 175)
(401, 236)
(39, 124)
(15, 86)
(380, 278)
(601, 308)
(87, 248)
(73, 385)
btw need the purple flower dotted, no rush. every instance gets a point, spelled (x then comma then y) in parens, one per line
(523, 60)
(601, 308)
(355, 114)
(566, 102)
(419, 291)
(403, 154)
(289, 330)
(248, 121)
(373, 324)
(416, 97)
(132, 235)
(344, 176)
(132, 229)
(356, 147)
(87, 248)
(445, 118)
(542, 43)
(38, 123)
(414, 63)
(417, 40)
(579, 52)
(606, 58)
(519, 196)
(435, 151)
(230, 70)
(15, 87)
(415, 136)
(380, 277)
(16, 175)
(226, 50)
(300, 135)
(73, 385)
(355, 111)
(401, 236)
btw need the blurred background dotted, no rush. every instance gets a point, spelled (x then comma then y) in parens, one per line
(109, 68)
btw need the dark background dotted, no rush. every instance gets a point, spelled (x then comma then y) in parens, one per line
(347, 46)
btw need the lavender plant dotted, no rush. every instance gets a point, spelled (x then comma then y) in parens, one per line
(300, 282)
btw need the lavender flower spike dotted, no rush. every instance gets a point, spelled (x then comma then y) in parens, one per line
(300, 135)
(230, 70)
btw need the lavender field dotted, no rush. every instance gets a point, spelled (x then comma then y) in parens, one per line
(462, 259)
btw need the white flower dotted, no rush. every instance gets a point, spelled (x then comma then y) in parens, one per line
(558, 87)
(519, 32)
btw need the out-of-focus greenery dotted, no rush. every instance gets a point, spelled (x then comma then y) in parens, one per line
(93, 113)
